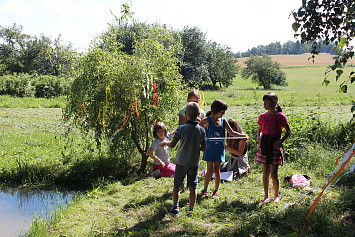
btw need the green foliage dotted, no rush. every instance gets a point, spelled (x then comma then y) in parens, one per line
(22, 53)
(204, 63)
(194, 56)
(221, 65)
(25, 85)
(114, 87)
(264, 71)
(331, 22)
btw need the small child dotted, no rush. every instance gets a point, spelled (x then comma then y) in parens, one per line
(215, 126)
(238, 149)
(192, 139)
(270, 150)
(161, 166)
(192, 96)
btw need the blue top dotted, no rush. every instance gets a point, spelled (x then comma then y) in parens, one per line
(215, 148)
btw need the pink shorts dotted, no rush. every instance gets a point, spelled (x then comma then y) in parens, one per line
(167, 171)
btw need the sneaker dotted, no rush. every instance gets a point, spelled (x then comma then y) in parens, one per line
(204, 193)
(189, 213)
(215, 194)
(266, 200)
(277, 199)
(174, 211)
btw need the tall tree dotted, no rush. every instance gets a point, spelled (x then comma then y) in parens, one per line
(12, 44)
(193, 57)
(124, 93)
(325, 22)
(222, 66)
(22, 53)
(264, 71)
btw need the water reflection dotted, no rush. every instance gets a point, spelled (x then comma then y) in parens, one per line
(19, 205)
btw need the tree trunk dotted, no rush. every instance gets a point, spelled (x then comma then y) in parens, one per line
(135, 139)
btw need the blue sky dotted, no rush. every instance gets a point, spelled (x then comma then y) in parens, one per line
(239, 24)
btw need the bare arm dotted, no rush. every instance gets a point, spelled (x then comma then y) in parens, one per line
(150, 153)
(170, 144)
(203, 145)
(204, 123)
(259, 134)
(240, 149)
(234, 133)
(287, 133)
(182, 119)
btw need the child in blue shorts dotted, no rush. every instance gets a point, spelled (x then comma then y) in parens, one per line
(192, 139)
(215, 126)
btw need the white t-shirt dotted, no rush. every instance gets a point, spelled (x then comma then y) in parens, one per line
(161, 152)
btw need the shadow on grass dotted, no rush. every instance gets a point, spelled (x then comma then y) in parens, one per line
(80, 174)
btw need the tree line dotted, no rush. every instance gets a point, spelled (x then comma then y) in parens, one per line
(201, 62)
(289, 47)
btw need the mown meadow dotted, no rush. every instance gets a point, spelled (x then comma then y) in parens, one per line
(38, 150)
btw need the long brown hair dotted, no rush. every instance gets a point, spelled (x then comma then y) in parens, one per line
(272, 97)
(157, 127)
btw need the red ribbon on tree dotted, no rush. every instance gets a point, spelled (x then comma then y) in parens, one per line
(155, 95)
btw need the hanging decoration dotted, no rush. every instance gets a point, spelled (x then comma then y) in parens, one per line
(134, 105)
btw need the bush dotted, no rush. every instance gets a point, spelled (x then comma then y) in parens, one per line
(25, 85)
(16, 85)
(50, 86)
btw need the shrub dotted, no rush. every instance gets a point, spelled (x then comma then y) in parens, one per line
(16, 85)
(25, 85)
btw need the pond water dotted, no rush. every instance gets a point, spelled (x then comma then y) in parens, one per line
(18, 206)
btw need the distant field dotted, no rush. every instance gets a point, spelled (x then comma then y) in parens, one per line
(300, 60)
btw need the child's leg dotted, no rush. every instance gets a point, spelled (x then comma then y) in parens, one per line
(167, 171)
(192, 197)
(275, 179)
(192, 181)
(208, 175)
(176, 194)
(266, 174)
(217, 174)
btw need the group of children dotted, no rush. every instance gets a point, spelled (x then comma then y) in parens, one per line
(197, 132)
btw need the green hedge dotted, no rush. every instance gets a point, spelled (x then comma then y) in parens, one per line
(25, 85)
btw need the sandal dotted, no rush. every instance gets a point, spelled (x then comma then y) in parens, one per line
(266, 200)
(277, 199)
(204, 193)
(215, 194)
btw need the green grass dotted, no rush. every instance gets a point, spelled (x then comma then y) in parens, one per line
(140, 209)
(7, 101)
(304, 89)
(37, 149)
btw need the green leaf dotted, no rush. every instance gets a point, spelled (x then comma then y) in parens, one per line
(339, 72)
(344, 88)
(295, 26)
(352, 77)
(342, 42)
(326, 82)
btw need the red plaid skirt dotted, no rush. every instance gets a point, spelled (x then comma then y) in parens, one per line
(277, 156)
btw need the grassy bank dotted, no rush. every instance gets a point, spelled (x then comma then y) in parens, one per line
(36, 148)
(140, 209)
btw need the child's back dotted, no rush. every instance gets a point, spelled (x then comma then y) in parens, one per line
(191, 135)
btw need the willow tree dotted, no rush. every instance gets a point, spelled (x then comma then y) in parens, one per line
(120, 96)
